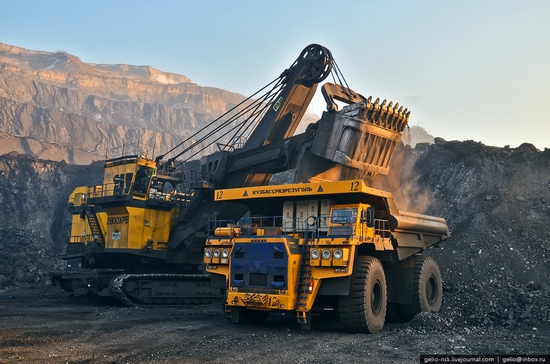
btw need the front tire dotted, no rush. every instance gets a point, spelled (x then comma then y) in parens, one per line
(364, 308)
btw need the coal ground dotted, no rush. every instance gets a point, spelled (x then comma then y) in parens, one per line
(56, 328)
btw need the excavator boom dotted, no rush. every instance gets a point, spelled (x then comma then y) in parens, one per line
(299, 84)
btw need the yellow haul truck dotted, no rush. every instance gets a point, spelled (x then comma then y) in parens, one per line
(312, 247)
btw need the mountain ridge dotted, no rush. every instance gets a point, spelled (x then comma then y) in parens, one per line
(63, 61)
(43, 94)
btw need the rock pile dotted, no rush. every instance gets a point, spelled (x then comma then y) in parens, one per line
(497, 204)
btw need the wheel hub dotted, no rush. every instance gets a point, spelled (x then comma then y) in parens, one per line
(431, 289)
(376, 300)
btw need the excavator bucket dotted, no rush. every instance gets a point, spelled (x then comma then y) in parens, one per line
(363, 135)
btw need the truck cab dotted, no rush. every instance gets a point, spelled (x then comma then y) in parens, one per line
(307, 248)
(352, 220)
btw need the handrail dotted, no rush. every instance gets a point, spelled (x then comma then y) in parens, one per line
(309, 228)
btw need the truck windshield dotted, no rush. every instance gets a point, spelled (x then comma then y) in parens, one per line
(344, 216)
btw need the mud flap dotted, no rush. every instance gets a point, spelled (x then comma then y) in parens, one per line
(399, 280)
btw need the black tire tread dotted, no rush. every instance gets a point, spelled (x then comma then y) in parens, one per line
(351, 308)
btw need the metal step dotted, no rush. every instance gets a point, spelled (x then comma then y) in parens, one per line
(94, 225)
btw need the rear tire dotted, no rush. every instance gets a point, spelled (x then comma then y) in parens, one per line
(427, 289)
(364, 308)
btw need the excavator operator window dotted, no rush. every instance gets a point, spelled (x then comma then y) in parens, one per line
(122, 183)
(143, 178)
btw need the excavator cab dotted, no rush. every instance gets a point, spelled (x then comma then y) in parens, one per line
(128, 175)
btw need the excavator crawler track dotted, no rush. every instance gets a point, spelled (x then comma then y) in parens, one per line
(164, 289)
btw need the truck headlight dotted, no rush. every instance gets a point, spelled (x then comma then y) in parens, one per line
(225, 253)
(208, 252)
(326, 254)
(315, 254)
(216, 253)
(337, 254)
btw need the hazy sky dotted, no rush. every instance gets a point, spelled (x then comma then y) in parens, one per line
(476, 70)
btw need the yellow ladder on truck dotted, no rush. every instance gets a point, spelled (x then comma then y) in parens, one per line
(303, 315)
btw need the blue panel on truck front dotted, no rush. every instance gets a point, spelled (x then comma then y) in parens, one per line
(259, 267)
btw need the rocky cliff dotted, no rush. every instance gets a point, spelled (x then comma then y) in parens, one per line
(54, 106)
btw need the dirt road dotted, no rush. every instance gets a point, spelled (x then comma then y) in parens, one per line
(57, 329)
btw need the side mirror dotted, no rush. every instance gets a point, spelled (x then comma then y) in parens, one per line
(367, 216)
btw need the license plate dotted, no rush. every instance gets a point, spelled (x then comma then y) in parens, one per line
(255, 299)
